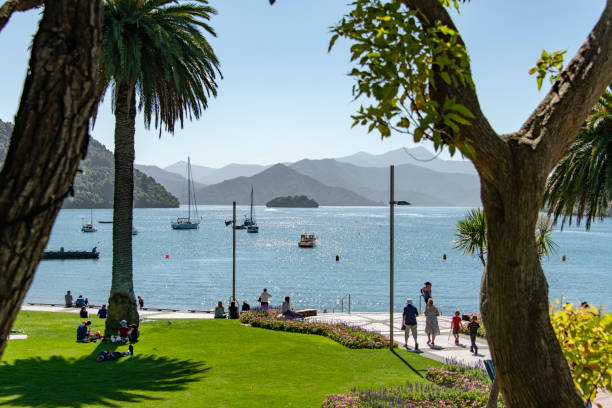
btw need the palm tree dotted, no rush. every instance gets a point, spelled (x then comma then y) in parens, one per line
(471, 236)
(581, 184)
(154, 53)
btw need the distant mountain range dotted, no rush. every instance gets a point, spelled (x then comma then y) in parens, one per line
(93, 188)
(435, 182)
(278, 180)
(415, 184)
(417, 156)
(207, 175)
(175, 184)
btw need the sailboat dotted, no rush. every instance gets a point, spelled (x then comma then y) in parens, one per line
(188, 223)
(89, 227)
(252, 226)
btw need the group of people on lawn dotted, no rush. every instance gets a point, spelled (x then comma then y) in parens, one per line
(264, 301)
(432, 329)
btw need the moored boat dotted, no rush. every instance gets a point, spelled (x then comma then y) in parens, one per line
(182, 223)
(307, 241)
(61, 254)
(89, 227)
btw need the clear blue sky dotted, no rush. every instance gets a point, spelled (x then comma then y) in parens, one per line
(284, 98)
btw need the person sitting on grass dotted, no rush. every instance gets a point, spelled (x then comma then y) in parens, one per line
(84, 313)
(102, 312)
(233, 311)
(287, 312)
(134, 333)
(83, 332)
(220, 311)
(124, 331)
(107, 355)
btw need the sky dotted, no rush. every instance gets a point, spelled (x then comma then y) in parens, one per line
(283, 97)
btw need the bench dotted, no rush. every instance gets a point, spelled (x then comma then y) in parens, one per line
(307, 312)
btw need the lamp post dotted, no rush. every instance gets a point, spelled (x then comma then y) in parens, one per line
(234, 251)
(392, 203)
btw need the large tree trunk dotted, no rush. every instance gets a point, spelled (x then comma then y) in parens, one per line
(514, 292)
(122, 302)
(49, 140)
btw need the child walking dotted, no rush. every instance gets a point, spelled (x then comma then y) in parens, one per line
(473, 328)
(456, 326)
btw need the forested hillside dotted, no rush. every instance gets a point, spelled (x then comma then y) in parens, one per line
(93, 188)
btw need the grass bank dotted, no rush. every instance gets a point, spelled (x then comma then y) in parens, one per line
(195, 363)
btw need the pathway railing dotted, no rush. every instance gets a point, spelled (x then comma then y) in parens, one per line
(341, 303)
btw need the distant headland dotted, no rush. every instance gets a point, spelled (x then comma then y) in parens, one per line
(293, 202)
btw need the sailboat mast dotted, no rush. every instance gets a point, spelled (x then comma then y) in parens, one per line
(251, 205)
(188, 188)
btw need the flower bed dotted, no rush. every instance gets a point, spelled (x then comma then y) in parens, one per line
(348, 336)
(452, 387)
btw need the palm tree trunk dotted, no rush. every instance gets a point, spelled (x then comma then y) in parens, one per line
(48, 142)
(122, 302)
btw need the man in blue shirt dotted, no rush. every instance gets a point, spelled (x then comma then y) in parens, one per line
(83, 332)
(80, 302)
(410, 323)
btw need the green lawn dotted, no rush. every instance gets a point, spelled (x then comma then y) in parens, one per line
(189, 363)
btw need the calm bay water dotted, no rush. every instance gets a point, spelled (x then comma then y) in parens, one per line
(198, 272)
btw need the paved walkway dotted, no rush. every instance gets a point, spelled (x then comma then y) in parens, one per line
(444, 349)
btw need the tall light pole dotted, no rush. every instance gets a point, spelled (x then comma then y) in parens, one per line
(392, 203)
(234, 251)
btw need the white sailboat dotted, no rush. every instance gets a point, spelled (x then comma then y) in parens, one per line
(252, 226)
(182, 223)
(89, 227)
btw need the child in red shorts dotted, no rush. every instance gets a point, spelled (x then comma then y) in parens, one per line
(456, 326)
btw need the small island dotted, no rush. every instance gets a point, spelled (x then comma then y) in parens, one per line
(293, 202)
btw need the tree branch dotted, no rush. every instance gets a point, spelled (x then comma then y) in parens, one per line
(7, 9)
(554, 125)
(487, 144)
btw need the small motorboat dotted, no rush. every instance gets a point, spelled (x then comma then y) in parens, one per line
(307, 241)
(134, 231)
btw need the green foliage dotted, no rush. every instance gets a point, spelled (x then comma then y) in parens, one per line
(548, 64)
(471, 235)
(399, 62)
(581, 184)
(158, 47)
(585, 335)
(293, 201)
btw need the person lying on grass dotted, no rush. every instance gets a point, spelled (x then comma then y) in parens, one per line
(107, 355)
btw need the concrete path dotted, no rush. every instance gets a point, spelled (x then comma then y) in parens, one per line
(444, 349)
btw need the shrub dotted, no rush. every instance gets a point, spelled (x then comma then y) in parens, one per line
(585, 336)
(348, 336)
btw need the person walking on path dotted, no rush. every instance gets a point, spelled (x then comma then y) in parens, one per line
(140, 302)
(456, 326)
(410, 323)
(431, 322)
(68, 299)
(473, 327)
(426, 292)
(264, 299)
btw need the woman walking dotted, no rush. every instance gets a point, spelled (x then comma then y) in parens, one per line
(431, 322)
